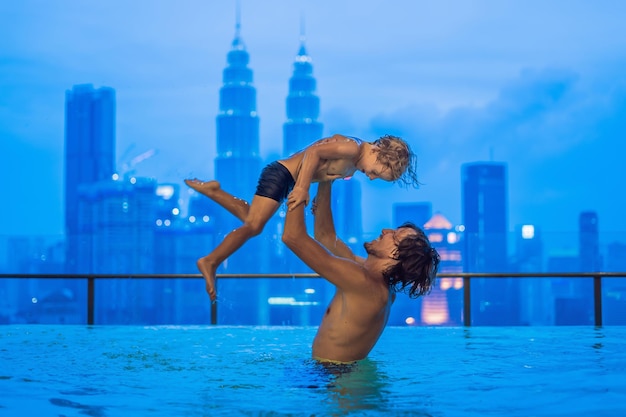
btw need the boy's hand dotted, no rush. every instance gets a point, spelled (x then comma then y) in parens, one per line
(296, 197)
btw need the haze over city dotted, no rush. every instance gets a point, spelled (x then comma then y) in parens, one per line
(537, 85)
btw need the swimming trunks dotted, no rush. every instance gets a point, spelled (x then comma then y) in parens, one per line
(336, 368)
(275, 182)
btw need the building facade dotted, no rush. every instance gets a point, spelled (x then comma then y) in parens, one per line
(238, 164)
(89, 152)
(303, 106)
(485, 220)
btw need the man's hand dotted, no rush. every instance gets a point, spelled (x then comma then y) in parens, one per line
(296, 197)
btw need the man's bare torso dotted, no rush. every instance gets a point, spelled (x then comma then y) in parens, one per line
(352, 324)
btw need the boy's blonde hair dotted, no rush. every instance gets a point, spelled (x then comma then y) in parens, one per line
(395, 154)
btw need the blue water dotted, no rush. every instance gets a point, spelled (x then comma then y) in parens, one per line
(266, 371)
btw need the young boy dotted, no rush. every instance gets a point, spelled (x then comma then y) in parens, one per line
(338, 156)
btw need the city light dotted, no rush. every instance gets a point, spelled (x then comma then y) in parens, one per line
(528, 231)
(289, 301)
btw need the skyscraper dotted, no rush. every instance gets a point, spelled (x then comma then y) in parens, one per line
(117, 225)
(485, 216)
(303, 105)
(89, 151)
(238, 163)
(416, 213)
(237, 168)
(535, 306)
(572, 304)
(589, 242)
(301, 129)
(485, 212)
(346, 207)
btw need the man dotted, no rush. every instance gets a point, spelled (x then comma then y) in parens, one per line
(398, 260)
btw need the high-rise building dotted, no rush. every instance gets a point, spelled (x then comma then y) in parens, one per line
(89, 152)
(238, 164)
(536, 294)
(237, 168)
(614, 289)
(572, 302)
(303, 106)
(416, 213)
(589, 242)
(528, 249)
(117, 225)
(117, 220)
(300, 130)
(346, 208)
(485, 212)
(485, 216)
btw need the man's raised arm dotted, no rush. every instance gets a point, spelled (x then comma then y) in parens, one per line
(324, 226)
(344, 273)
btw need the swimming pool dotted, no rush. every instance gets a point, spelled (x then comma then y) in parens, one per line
(67, 370)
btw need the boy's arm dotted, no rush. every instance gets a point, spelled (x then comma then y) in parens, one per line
(335, 147)
(344, 273)
(324, 226)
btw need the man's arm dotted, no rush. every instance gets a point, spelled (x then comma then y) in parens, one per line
(344, 273)
(324, 226)
(335, 147)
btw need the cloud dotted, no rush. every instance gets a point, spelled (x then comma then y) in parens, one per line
(560, 134)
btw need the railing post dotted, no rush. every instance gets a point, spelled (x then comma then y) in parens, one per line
(597, 299)
(467, 302)
(90, 299)
(214, 306)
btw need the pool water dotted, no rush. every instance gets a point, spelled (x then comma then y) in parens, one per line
(66, 370)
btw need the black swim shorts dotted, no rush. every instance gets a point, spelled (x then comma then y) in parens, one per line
(275, 182)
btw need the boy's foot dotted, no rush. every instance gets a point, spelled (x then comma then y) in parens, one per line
(207, 268)
(207, 188)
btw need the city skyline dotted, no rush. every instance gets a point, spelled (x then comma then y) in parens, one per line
(541, 119)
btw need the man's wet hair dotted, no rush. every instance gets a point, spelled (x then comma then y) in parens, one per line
(417, 266)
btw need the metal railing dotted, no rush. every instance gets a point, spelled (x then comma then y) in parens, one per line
(466, 276)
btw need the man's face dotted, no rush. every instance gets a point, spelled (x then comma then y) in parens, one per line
(386, 244)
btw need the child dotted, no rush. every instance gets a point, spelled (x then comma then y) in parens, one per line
(338, 156)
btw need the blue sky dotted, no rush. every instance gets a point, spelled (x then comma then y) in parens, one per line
(539, 85)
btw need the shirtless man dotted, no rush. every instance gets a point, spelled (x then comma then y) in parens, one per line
(388, 158)
(399, 259)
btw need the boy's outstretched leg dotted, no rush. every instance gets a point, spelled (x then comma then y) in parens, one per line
(212, 189)
(262, 209)
(208, 269)
(208, 264)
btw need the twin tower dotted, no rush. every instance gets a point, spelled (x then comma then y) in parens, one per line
(238, 163)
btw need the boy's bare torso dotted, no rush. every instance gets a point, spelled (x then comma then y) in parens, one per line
(328, 169)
